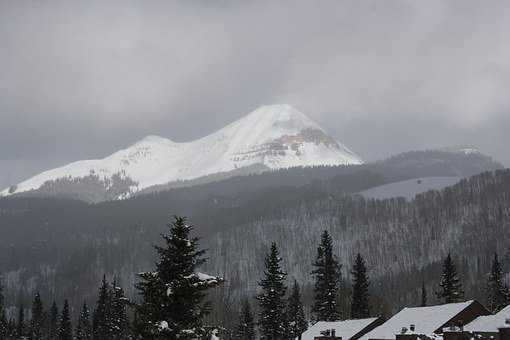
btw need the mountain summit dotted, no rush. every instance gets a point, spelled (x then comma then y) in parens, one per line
(271, 137)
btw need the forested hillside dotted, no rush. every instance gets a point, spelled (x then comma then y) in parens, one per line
(64, 246)
(403, 242)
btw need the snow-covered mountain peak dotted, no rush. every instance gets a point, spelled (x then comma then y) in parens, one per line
(150, 139)
(271, 137)
(282, 116)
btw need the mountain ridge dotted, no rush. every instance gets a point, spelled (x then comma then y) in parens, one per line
(275, 136)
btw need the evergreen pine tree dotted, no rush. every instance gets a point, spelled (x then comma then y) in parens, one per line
(246, 328)
(296, 314)
(271, 300)
(327, 281)
(38, 320)
(119, 318)
(172, 296)
(65, 330)
(84, 328)
(11, 329)
(20, 325)
(423, 295)
(52, 333)
(101, 324)
(450, 285)
(360, 308)
(4, 324)
(498, 295)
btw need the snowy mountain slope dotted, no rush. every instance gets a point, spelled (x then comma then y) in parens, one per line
(276, 136)
(409, 188)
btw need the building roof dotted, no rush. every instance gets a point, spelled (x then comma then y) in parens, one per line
(345, 329)
(489, 323)
(426, 320)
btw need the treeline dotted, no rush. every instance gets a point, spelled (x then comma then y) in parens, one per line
(108, 320)
(281, 315)
(172, 304)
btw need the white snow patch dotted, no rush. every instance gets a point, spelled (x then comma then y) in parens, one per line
(409, 188)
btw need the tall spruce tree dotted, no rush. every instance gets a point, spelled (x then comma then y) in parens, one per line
(101, 324)
(37, 324)
(52, 333)
(450, 287)
(271, 299)
(498, 295)
(360, 308)
(20, 325)
(327, 281)
(172, 304)
(65, 330)
(119, 318)
(4, 323)
(296, 314)
(84, 327)
(246, 328)
(423, 295)
(11, 329)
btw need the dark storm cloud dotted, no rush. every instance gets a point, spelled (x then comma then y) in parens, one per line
(82, 79)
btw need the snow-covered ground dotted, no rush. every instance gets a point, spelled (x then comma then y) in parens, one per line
(277, 136)
(410, 188)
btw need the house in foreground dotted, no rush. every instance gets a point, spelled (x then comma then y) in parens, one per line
(420, 323)
(495, 326)
(344, 330)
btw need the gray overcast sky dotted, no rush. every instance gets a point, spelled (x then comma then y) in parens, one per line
(81, 79)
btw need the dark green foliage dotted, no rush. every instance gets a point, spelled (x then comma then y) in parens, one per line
(53, 322)
(20, 324)
(84, 327)
(101, 326)
(297, 323)
(450, 287)
(327, 281)
(4, 324)
(65, 330)
(37, 324)
(271, 299)
(423, 295)
(360, 297)
(246, 328)
(172, 296)
(498, 295)
(11, 329)
(119, 318)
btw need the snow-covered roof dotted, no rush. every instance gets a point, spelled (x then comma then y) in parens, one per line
(489, 323)
(345, 329)
(426, 320)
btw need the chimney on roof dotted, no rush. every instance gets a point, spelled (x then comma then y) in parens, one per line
(329, 334)
(412, 328)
